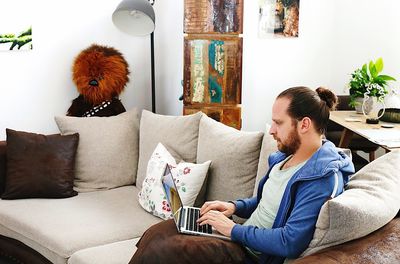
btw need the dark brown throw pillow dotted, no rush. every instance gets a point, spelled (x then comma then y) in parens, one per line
(40, 166)
(3, 147)
(162, 243)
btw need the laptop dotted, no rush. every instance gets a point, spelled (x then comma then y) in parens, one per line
(185, 217)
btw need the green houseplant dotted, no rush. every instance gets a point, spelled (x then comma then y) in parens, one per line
(367, 80)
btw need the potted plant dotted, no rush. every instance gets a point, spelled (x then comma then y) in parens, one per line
(368, 81)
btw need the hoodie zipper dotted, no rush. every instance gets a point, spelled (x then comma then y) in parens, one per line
(291, 194)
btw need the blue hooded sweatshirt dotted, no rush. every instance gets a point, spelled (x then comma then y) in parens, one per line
(321, 178)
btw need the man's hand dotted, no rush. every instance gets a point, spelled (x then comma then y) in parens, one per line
(217, 220)
(228, 209)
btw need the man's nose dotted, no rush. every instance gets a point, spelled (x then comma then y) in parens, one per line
(272, 130)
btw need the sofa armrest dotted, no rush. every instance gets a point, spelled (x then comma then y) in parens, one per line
(3, 147)
(381, 246)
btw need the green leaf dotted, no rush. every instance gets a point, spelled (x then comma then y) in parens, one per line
(380, 81)
(364, 74)
(11, 36)
(379, 65)
(364, 68)
(372, 70)
(387, 77)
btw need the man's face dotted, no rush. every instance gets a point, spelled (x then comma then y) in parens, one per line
(283, 129)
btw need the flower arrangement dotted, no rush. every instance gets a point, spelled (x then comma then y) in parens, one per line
(367, 81)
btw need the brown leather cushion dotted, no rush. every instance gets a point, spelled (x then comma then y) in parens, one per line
(381, 246)
(13, 251)
(161, 243)
(40, 166)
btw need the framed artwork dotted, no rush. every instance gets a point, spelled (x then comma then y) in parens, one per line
(228, 115)
(15, 28)
(278, 18)
(213, 16)
(212, 81)
(212, 70)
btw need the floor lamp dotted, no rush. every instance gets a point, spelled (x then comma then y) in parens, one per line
(137, 18)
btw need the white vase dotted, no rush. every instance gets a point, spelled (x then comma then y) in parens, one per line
(358, 102)
(371, 106)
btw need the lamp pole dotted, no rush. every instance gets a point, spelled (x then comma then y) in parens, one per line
(153, 81)
(153, 77)
(137, 18)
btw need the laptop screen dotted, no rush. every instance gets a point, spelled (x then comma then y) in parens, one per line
(171, 193)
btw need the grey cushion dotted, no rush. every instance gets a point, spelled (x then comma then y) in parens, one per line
(178, 134)
(370, 201)
(107, 154)
(57, 228)
(115, 253)
(234, 155)
(268, 146)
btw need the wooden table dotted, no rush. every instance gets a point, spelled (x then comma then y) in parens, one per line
(368, 131)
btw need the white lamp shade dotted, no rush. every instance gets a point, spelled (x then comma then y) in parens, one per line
(134, 17)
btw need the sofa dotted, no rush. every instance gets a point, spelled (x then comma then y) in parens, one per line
(104, 221)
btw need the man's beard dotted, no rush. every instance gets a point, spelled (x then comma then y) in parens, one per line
(291, 144)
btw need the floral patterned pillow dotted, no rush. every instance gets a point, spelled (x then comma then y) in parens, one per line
(189, 178)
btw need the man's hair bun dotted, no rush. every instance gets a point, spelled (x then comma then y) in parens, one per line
(328, 97)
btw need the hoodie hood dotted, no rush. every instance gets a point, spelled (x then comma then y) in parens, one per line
(326, 159)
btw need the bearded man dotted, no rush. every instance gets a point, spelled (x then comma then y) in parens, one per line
(306, 172)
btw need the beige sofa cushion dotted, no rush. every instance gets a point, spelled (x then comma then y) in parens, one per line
(177, 133)
(268, 146)
(234, 158)
(57, 228)
(107, 154)
(115, 253)
(371, 200)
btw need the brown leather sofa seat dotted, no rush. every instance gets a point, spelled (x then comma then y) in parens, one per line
(381, 246)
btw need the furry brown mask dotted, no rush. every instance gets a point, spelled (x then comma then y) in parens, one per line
(100, 73)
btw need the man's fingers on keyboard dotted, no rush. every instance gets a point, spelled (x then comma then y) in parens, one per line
(206, 217)
(207, 207)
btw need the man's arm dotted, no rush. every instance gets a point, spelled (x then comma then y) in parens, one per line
(216, 213)
(242, 207)
(245, 207)
(293, 238)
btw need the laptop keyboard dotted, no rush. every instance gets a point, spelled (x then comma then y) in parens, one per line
(191, 217)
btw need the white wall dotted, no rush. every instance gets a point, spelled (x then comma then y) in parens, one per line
(169, 56)
(336, 36)
(365, 30)
(272, 65)
(37, 85)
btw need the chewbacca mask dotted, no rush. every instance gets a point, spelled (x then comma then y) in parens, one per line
(100, 74)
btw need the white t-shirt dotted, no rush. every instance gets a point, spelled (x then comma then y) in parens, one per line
(265, 213)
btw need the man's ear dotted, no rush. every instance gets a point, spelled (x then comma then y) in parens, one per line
(305, 125)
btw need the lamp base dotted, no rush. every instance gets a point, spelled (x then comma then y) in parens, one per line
(372, 120)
